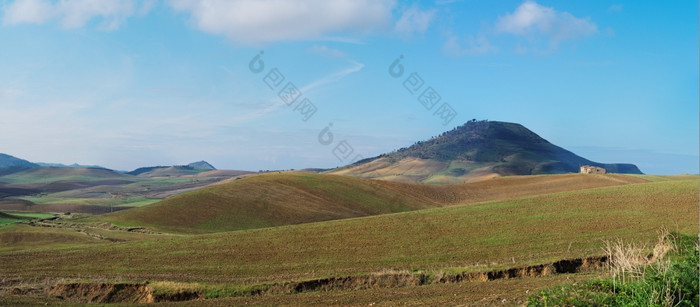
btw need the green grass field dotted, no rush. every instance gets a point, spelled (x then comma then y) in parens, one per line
(117, 202)
(266, 201)
(469, 237)
(13, 217)
(54, 174)
(8, 219)
(293, 198)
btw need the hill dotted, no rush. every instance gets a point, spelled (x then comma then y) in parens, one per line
(193, 168)
(476, 150)
(10, 164)
(269, 200)
(72, 165)
(276, 199)
(438, 242)
(45, 174)
(202, 165)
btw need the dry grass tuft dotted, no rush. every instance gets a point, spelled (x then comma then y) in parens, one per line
(630, 261)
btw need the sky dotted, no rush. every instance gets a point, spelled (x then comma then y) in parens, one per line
(292, 84)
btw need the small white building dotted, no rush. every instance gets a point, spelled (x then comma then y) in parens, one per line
(587, 169)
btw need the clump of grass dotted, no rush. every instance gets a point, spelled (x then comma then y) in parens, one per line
(173, 288)
(221, 291)
(630, 261)
(667, 277)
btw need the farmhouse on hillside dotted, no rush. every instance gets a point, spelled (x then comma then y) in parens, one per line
(587, 169)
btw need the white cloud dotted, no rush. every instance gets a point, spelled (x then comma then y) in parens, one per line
(261, 21)
(356, 66)
(74, 13)
(476, 46)
(414, 20)
(275, 103)
(27, 11)
(531, 19)
(325, 51)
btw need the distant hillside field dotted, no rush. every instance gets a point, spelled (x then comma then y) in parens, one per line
(474, 237)
(55, 174)
(475, 151)
(193, 168)
(292, 198)
(98, 190)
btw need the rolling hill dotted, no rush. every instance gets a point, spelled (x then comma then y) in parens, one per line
(193, 168)
(478, 237)
(276, 199)
(202, 165)
(10, 164)
(59, 174)
(269, 200)
(476, 150)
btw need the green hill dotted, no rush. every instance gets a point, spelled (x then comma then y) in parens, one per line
(276, 199)
(7, 218)
(270, 200)
(477, 149)
(476, 237)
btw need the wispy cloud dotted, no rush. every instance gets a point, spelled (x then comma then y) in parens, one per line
(531, 19)
(534, 23)
(273, 104)
(413, 20)
(74, 13)
(325, 51)
(263, 21)
(27, 11)
(356, 66)
(474, 46)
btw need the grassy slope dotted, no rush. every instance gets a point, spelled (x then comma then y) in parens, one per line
(23, 237)
(294, 198)
(54, 174)
(269, 200)
(7, 218)
(481, 236)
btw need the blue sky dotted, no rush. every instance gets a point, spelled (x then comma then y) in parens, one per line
(126, 84)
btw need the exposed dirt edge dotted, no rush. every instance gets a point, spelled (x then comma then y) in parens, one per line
(117, 293)
(569, 266)
(85, 292)
(404, 279)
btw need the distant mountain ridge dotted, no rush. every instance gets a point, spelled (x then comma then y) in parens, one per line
(173, 171)
(202, 165)
(72, 165)
(476, 149)
(10, 164)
